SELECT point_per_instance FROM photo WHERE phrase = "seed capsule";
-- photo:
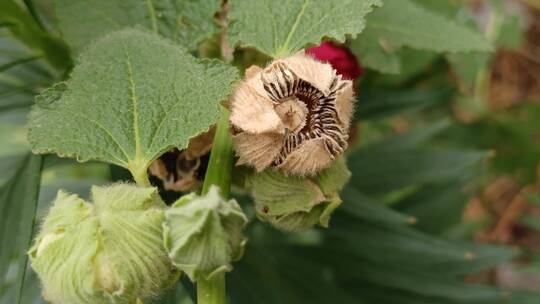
(293, 115)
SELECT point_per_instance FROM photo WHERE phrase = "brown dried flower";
(183, 170)
(294, 115)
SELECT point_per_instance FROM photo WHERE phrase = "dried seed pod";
(183, 170)
(293, 115)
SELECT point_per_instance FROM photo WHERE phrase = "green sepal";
(204, 234)
(295, 203)
(110, 251)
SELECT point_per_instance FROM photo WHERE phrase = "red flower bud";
(339, 57)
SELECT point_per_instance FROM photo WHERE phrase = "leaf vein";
(294, 27)
(134, 102)
(107, 132)
(152, 14)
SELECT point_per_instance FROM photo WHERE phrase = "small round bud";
(293, 115)
(295, 203)
(110, 251)
(204, 234)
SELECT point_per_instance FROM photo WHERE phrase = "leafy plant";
(118, 84)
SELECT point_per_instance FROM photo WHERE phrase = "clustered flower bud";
(204, 234)
(295, 203)
(110, 251)
(293, 115)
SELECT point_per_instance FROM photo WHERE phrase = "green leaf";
(23, 73)
(281, 28)
(380, 171)
(402, 23)
(187, 22)
(13, 137)
(467, 66)
(18, 204)
(196, 22)
(364, 208)
(276, 194)
(531, 221)
(297, 203)
(398, 162)
(381, 103)
(534, 199)
(132, 97)
(437, 207)
(24, 28)
(415, 65)
(511, 32)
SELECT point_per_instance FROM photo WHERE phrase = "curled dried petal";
(294, 115)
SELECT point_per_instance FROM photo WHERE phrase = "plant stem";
(220, 163)
(142, 180)
(139, 171)
(483, 76)
(211, 291)
(218, 174)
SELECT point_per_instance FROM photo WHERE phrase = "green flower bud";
(110, 251)
(203, 234)
(295, 203)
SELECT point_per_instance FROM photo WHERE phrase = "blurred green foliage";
(399, 236)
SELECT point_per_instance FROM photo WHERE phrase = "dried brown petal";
(182, 170)
(294, 115)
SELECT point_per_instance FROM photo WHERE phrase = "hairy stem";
(139, 171)
(218, 174)
(220, 163)
(212, 291)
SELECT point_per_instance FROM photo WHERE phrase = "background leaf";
(24, 27)
(18, 203)
(402, 23)
(399, 162)
(132, 97)
(187, 22)
(281, 28)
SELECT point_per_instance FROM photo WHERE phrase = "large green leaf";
(132, 96)
(18, 204)
(403, 23)
(280, 28)
(186, 21)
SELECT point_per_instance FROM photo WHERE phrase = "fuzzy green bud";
(204, 234)
(110, 251)
(295, 203)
